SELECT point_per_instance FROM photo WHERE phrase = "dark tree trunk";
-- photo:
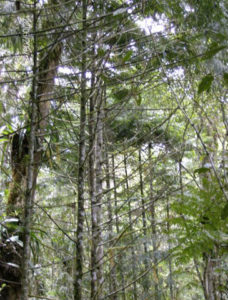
(26, 159)
(81, 168)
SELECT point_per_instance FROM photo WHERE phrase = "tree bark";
(112, 264)
(120, 259)
(146, 283)
(97, 250)
(154, 231)
(210, 257)
(170, 283)
(209, 277)
(135, 297)
(26, 159)
(81, 167)
(30, 176)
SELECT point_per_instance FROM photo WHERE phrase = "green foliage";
(213, 50)
(199, 223)
(205, 83)
(121, 94)
(225, 78)
(201, 170)
(149, 85)
(224, 213)
(127, 56)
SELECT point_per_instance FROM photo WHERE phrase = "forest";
(113, 150)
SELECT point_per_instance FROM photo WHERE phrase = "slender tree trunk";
(135, 297)
(30, 176)
(92, 182)
(208, 277)
(112, 266)
(120, 259)
(81, 166)
(171, 287)
(146, 284)
(97, 250)
(112, 262)
(92, 178)
(154, 231)
(93, 203)
(210, 257)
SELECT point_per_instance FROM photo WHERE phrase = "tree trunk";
(135, 297)
(170, 282)
(97, 250)
(26, 159)
(120, 259)
(154, 232)
(208, 277)
(112, 264)
(30, 174)
(81, 167)
(146, 284)
(210, 257)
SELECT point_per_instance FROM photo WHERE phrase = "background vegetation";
(113, 139)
